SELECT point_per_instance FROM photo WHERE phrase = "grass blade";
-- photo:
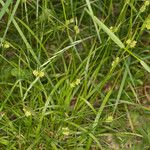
(146, 67)
(111, 34)
(4, 9)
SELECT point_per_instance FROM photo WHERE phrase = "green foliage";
(74, 74)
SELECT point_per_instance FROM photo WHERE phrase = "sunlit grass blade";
(92, 15)
(4, 8)
(29, 48)
(33, 34)
(107, 30)
(146, 67)
(11, 17)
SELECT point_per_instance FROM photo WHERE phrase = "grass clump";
(74, 74)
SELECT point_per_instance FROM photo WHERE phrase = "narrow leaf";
(146, 67)
(111, 34)
(4, 9)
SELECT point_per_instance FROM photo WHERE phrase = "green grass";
(74, 75)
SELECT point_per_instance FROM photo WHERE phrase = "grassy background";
(95, 92)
